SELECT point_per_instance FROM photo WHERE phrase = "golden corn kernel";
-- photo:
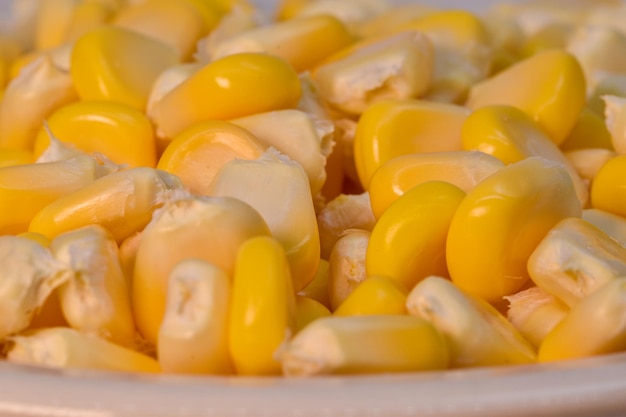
(347, 211)
(53, 19)
(26, 189)
(118, 65)
(478, 335)
(511, 135)
(308, 310)
(210, 229)
(615, 119)
(503, 219)
(30, 274)
(611, 224)
(395, 177)
(89, 15)
(120, 132)
(263, 306)
(302, 42)
(590, 131)
(317, 289)
(374, 296)
(574, 259)
(391, 19)
(394, 128)
(334, 345)
(29, 99)
(221, 90)
(65, 348)
(96, 299)
(595, 326)
(588, 162)
(393, 67)
(304, 138)
(408, 243)
(169, 79)
(548, 86)
(607, 190)
(185, 26)
(287, 9)
(548, 37)
(278, 189)
(237, 20)
(346, 265)
(128, 255)
(193, 337)
(11, 157)
(198, 153)
(37, 237)
(534, 313)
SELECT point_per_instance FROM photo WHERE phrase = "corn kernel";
(193, 337)
(53, 20)
(588, 162)
(607, 190)
(598, 49)
(615, 119)
(590, 131)
(391, 19)
(346, 266)
(503, 219)
(408, 243)
(128, 255)
(394, 128)
(375, 295)
(12, 157)
(317, 289)
(263, 306)
(308, 310)
(350, 12)
(89, 15)
(611, 224)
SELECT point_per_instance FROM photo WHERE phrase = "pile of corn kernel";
(193, 186)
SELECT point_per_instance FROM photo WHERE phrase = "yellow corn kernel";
(588, 162)
(317, 289)
(193, 337)
(408, 243)
(595, 326)
(53, 19)
(395, 177)
(89, 15)
(590, 131)
(96, 298)
(278, 189)
(534, 313)
(118, 65)
(287, 9)
(615, 119)
(598, 49)
(611, 224)
(65, 348)
(120, 132)
(574, 259)
(346, 266)
(394, 128)
(37, 237)
(308, 310)
(12, 157)
(30, 274)
(263, 306)
(350, 12)
(548, 37)
(503, 219)
(29, 99)
(304, 138)
(335, 345)
(374, 296)
(26, 189)
(548, 86)
(221, 90)
(128, 255)
(198, 153)
(210, 229)
(122, 203)
(236, 21)
(390, 20)
(185, 26)
(607, 190)
(210, 12)
(603, 84)
(478, 335)
(511, 135)
(347, 211)
(397, 66)
(302, 42)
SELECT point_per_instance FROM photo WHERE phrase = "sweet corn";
(207, 228)
(391, 19)
(611, 224)
(590, 131)
(308, 310)
(478, 335)
(65, 348)
(122, 133)
(607, 190)
(351, 12)
(615, 118)
(13, 157)
(128, 256)
(605, 83)
(395, 177)
(96, 298)
(588, 162)
(263, 306)
(317, 289)
(549, 86)
(376, 295)
(408, 242)
(122, 202)
(598, 49)
(30, 274)
(596, 325)
(53, 20)
(193, 337)
(503, 219)
(89, 15)
(346, 266)
(393, 67)
(394, 128)
(197, 154)
(221, 90)
(334, 345)
(118, 65)
(278, 189)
